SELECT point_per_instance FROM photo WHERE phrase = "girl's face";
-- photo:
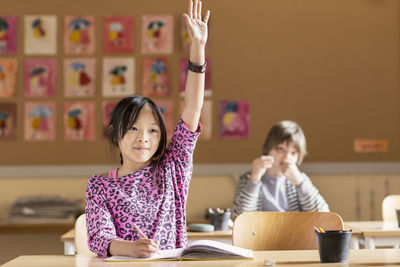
(283, 153)
(141, 141)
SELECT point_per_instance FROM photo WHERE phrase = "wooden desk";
(223, 236)
(34, 228)
(376, 233)
(362, 257)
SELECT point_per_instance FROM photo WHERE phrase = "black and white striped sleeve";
(310, 198)
(247, 196)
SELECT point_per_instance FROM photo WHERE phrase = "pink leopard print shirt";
(153, 198)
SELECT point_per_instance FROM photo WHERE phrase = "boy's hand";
(292, 173)
(260, 166)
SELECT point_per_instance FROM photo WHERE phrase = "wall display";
(234, 119)
(107, 108)
(40, 35)
(155, 77)
(79, 35)
(118, 77)
(8, 34)
(79, 121)
(40, 121)
(8, 121)
(40, 77)
(167, 110)
(118, 34)
(183, 75)
(8, 73)
(157, 34)
(370, 145)
(79, 77)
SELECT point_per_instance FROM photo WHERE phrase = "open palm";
(197, 28)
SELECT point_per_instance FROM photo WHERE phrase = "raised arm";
(194, 90)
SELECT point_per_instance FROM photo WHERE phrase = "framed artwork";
(118, 34)
(183, 77)
(40, 121)
(79, 77)
(79, 121)
(40, 34)
(79, 35)
(40, 78)
(157, 34)
(8, 34)
(118, 77)
(234, 119)
(205, 119)
(8, 121)
(155, 77)
(8, 73)
(167, 110)
(108, 107)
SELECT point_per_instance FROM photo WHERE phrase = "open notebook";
(197, 250)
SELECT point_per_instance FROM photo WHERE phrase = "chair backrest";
(389, 206)
(265, 230)
(81, 240)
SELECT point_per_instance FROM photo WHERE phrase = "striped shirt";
(250, 196)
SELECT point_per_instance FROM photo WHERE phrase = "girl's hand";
(292, 173)
(196, 27)
(144, 248)
(260, 166)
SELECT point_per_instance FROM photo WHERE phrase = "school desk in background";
(44, 209)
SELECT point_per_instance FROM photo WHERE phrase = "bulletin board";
(332, 66)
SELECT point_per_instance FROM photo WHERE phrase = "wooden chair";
(81, 240)
(389, 206)
(282, 230)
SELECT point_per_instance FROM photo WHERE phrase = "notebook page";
(162, 254)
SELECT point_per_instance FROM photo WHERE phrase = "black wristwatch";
(197, 68)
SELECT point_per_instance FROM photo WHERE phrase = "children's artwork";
(40, 35)
(40, 77)
(118, 34)
(79, 121)
(157, 34)
(167, 110)
(8, 34)
(185, 37)
(234, 119)
(8, 72)
(183, 77)
(370, 145)
(118, 77)
(40, 121)
(108, 107)
(79, 77)
(205, 119)
(8, 121)
(155, 77)
(79, 35)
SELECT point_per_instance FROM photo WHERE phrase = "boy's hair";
(286, 132)
(125, 115)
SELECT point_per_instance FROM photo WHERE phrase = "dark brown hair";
(125, 115)
(286, 132)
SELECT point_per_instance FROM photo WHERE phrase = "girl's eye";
(153, 131)
(133, 128)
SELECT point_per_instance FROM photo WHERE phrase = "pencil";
(140, 231)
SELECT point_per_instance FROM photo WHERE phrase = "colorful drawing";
(157, 34)
(205, 119)
(79, 77)
(79, 35)
(40, 35)
(8, 34)
(155, 77)
(108, 107)
(40, 121)
(183, 76)
(118, 34)
(8, 121)
(79, 121)
(118, 77)
(185, 38)
(8, 72)
(167, 110)
(40, 77)
(234, 119)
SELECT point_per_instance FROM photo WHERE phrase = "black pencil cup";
(398, 216)
(334, 246)
(220, 220)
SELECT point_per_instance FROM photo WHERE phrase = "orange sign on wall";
(370, 145)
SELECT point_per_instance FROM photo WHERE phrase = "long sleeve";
(247, 196)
